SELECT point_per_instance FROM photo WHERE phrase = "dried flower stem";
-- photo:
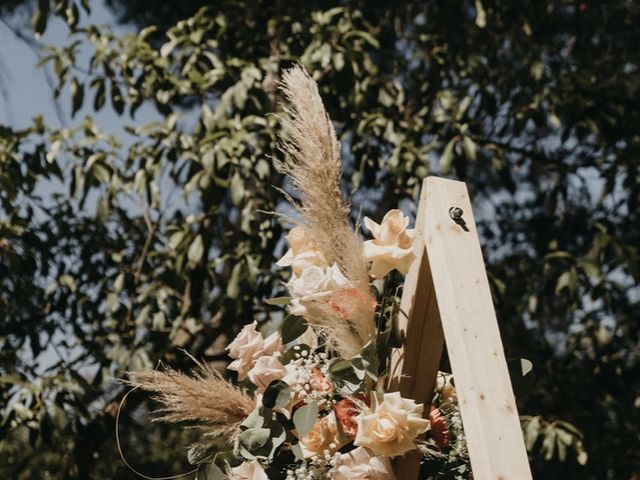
(312, 162)
(215, 406)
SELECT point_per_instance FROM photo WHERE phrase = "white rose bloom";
(315, 283)
(359, 464)
(248, 346)
(391, 425)
(392, 244)
(248, 471)
(303, 251)
(265, 370)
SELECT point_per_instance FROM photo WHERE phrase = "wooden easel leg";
(447, 292)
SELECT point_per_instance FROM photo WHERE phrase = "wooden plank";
(414, 368)
(487, 405)
(447, 292)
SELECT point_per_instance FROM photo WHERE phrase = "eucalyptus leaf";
(278, 301)
(305, 418)
(251, 440)
(276, 395)
(292, 328)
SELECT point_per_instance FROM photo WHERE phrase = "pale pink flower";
(248, 471)
(265, 370)
(359, 464)
(248, 346)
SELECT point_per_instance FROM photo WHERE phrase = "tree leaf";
(40, 17)
(469, 147)
(447, 156)
(77, 95)
(196, 249)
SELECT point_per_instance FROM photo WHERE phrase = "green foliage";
(292, 327)
(261, 434)
(117, 251)
(277, 395)
(305, 418)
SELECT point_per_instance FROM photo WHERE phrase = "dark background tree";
(117, 250)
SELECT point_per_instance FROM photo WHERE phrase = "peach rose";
(359, 464)
(247, 471)
(392, 244)
(248, 346)
(303, 251)
(323, 437)
(391, 425)
(266, 370)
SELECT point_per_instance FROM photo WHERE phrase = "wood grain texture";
(414, 368)
(456, 300)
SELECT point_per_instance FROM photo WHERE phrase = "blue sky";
(24, 91)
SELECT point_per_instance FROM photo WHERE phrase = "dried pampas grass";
(312, 162)
(213, 405)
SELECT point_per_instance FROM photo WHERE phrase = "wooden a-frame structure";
(447, 298)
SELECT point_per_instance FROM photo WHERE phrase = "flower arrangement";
(310, 400)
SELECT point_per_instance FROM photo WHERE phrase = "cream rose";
(265, 370)
(391, 425)
(323, 437)
(248, 471)
(248, 346)
(359, 464)
(392, 244)
(303, 251)
(314, 283)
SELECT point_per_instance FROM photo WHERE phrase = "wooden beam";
(447, 291)
(414, 368)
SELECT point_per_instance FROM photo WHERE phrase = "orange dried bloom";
(320, 382)
(346, 409)
(348, 302)
(439, 429)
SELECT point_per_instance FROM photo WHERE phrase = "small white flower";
(248, 346)
(392, 244)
